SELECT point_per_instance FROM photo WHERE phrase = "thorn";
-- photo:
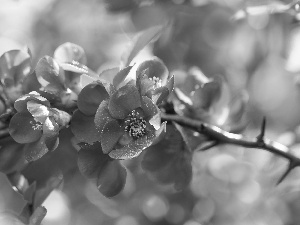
(260, 137)
(207, 145)
(289, 169)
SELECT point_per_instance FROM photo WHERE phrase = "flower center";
(135, 125)
(36, 126)
(157, 82)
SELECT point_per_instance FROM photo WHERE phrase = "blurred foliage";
(257, 55)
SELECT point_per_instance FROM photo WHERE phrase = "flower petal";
(111, 133)
(22, 128)
(83, 127)
(102, 116)
(159, 94)
(35, 150)
(136, 147)
(48, 71)
(39, 112)
(50, 127)
(152, 112)
(91, 159)
(123, 101)
(68, 52)
(111, 179)
(21, 103)
(90, 97)
(155, 68)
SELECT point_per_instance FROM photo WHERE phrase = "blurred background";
(257, 53)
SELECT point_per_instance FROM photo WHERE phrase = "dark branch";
(221, 136)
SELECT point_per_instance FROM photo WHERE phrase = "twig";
(225, 137)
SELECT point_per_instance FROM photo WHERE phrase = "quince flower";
(37, 124)
(154, 81)
(128, 123)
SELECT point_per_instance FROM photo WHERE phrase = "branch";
(225, 137)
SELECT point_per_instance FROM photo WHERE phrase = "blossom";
(153, 80)
(38, 124)
(128, 123)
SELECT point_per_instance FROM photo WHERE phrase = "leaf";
(83, 127)
(109, 74)
(69, 52)
(141, 41)
(169, 161)
(120, 76)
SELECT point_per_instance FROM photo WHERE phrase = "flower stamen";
(135, 125)
(157, 82)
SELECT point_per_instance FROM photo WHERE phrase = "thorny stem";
(224, 137)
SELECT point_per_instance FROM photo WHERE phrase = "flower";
(37, 123)
(209, 100)
(153, 80)
(128, 123)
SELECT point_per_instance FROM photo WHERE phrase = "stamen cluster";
(135, 125)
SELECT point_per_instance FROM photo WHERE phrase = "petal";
(90, 98)
(123, 101)
(91, 159)
(51, 142)
(39, 112)
(136, 147)
(22, 128)
(159, 94)
(110, 135)
(111, 179)
(102, 116)
(83, 127)
(155, 68)
(143, 83)
(152, 112)
(35, 150)
(48, 71)
(21, 103)
(68, 52)
(50, 127)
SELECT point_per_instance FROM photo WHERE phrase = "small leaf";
(111, 179)
(68, 52)
(120, 76)
(29, 193)
(109, 74)
(141, 41)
